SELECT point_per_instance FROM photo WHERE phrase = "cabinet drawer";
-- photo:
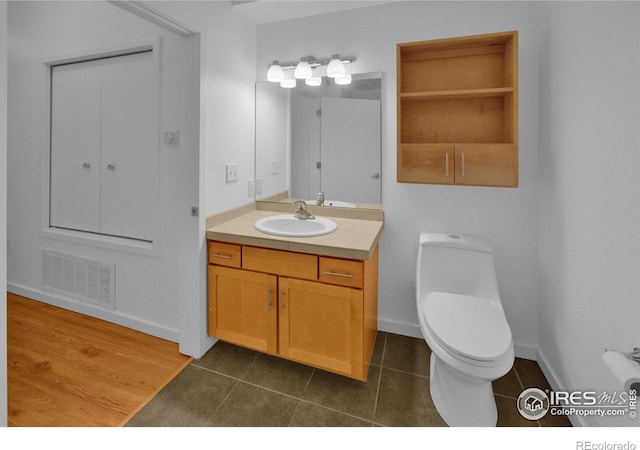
(343, 272)
(296, 265)
(224, 254)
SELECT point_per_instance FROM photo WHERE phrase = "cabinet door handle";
(281, 301)
(462, 168)
(268, 299)
(336, 274)
(111, 167)
(86, 165)
(219, 255)
(446, 164)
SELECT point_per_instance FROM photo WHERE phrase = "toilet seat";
(469, 328)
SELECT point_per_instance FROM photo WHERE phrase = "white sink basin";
(287, 225)
(337, 203)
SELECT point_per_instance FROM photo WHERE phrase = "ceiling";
(266, 11)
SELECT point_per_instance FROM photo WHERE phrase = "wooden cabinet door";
(243, 308)
(426, 163)
(486, 165)
(322, 325)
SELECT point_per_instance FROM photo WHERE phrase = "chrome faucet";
(320, 199)
(301, 211)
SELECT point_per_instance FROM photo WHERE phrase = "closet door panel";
(75, 147)
(129, 146)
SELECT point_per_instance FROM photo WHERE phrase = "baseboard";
(552, 378)
(403, 329)
(60, 301)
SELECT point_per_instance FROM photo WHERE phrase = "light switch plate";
(232, 173)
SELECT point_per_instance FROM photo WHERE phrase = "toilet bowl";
(462, 319)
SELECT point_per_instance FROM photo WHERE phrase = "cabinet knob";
(111, 167)
(86, 165)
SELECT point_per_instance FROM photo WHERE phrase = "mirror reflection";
(319, 142)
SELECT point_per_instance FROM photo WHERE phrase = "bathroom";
(569, 289)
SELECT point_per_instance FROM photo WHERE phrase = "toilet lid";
(473, 327)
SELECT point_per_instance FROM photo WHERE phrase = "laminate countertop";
(353, 239)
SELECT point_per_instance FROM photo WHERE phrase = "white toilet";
(463, 322)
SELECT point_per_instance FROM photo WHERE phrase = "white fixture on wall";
(306, 69)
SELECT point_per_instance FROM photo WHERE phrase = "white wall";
(226, 123)
(589, 192)
(147, 286)
(3, 213)
(506, 217)
(228, 81)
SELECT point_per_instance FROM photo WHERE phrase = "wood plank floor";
(68, 369)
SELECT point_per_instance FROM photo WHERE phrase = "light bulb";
(288, 83)
(275, 73)
(313, 81)
(335, 67)
(343, 79)
(303, 70)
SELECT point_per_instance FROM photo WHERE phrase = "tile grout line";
(238, 381)
(375, 404)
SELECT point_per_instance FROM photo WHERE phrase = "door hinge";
(195, 211)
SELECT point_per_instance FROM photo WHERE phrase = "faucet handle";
(301, 210)
(320, 199)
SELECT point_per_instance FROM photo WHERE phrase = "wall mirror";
(326, 138)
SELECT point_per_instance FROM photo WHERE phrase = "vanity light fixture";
(313, 81)
(286, 73)
(343, 79)
(288, 83)
(303, 69)
(275, 72)
(336, 67)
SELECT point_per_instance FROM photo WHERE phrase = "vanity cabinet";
(457, 116)
(313, 309)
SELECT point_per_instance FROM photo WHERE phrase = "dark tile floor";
(232, 386)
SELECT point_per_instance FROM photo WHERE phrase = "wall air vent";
(83, 279)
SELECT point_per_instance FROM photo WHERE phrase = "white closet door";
(129, 146)
(75, 147)
(350, 153)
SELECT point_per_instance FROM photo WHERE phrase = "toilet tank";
(459, 264)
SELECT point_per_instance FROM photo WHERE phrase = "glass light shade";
(275, 73)
(303, 70)
(343, 79)
(313, 81)
(335, 67)
(288, 83)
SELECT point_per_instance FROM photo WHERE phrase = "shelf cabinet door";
(486, 165)
(242, 308)
(322, 325)
(426, 163)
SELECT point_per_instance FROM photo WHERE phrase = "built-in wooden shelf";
(458, 110)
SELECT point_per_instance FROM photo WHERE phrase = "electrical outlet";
(252, 188)
(232, 173)
(275, 167)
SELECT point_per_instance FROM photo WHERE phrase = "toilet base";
(462, 401)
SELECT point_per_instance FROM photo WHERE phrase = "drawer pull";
(219, 255)
(336, 274)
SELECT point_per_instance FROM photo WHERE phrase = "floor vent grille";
(84, 279)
